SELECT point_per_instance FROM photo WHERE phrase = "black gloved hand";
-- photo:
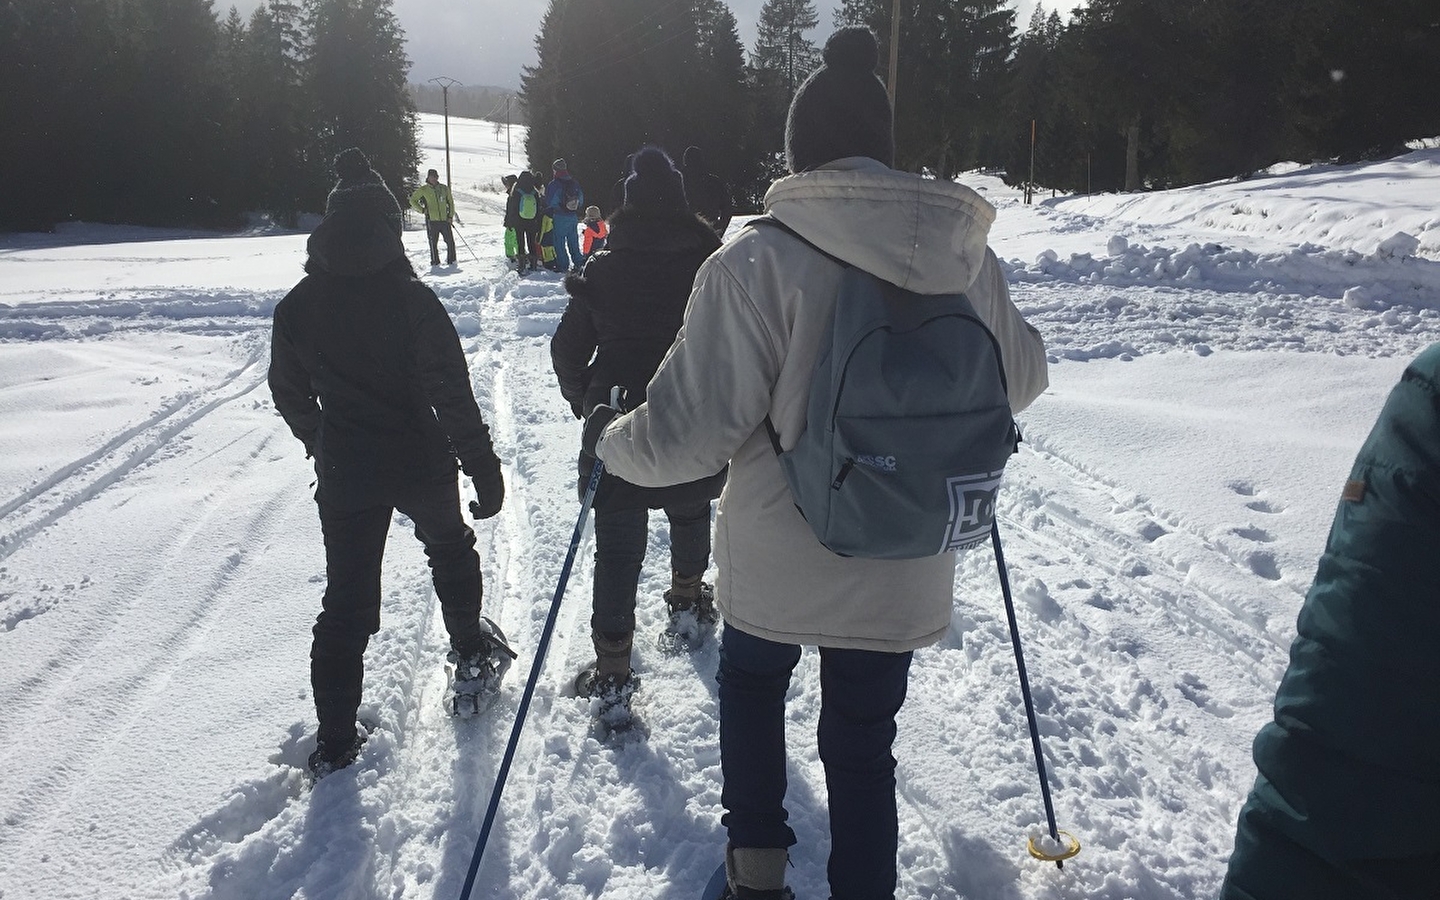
(489, 491)
(600, 416)
(577, 410)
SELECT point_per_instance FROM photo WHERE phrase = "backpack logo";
(527, 205)
(921, 376)
(972, 510)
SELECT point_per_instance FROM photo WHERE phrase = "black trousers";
(437, 230)
(354, 548)
(621, 536)
(528, 244)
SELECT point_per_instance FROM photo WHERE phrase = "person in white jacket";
(755, 322)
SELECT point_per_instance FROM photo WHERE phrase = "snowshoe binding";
(692, 621)
(474, 678)
(610, 703)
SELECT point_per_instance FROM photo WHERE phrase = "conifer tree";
(611, 78)
(780, 42)
(355, 69)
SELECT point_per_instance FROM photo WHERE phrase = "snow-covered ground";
(1218, 355)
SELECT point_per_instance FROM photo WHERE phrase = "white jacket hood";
(920, 234)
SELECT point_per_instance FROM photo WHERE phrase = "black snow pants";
(354, 547)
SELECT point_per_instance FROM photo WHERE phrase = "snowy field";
(1218, 355)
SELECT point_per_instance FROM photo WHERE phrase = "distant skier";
(709, 197)
(622, 317)
(754, 327)
(367, 370)
(434, 200)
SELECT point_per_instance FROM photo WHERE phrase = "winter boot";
(476, 672)
(609, 681)
(334, 751)
(756, 873)
(691, 604)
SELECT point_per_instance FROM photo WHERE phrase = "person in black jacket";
(366, 369)
(525, 198)
(624, 312)
(709, 196)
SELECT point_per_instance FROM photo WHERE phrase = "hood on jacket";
(354, 243)
(921, 234)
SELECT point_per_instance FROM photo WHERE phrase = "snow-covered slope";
(160, 565)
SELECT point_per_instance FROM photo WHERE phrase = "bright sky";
(485, 42)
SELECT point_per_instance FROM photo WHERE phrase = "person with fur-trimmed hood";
(367, 370)
(624, 312)
(757, 319)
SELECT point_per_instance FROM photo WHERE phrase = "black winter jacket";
(624, 312)
(368, 372)
(524, 184)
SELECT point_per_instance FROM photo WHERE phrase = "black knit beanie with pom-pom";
(655, 184)
(361, 189)
(842, 109)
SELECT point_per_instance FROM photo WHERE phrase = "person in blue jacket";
(565, 203)
(1349, 770)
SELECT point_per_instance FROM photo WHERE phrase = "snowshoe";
(692, 620)
(610, 703)
(474, 679)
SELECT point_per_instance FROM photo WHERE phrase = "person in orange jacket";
(593, 235)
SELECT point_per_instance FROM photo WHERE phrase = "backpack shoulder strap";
(772, 222)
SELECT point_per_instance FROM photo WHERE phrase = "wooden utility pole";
(445, 83)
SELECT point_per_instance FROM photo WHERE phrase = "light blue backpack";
(908, 428)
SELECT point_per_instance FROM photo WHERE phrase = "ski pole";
(465, 242)
(510, 748)
(1073, 845)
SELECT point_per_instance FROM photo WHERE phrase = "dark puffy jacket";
(624, 312)
(368, 372)
(1350, 767)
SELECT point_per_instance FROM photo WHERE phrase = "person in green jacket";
(1349, 770)
(433, 199)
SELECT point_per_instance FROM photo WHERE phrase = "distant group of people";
(712, 346)
(545, 228)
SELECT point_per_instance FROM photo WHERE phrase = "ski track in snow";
(1113, 652)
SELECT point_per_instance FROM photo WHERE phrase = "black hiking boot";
(334, 752)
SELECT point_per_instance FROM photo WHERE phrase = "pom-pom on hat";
(656, 185)
(842, 109)
(361, 190)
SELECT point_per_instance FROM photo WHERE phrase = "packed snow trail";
(161, 565)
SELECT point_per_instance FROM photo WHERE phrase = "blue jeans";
(566, 235)
(861, 691)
